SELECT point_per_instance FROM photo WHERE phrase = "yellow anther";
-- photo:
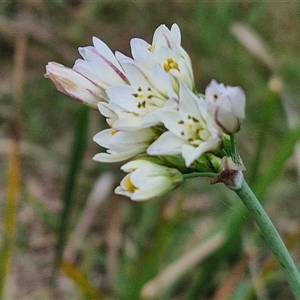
(170, 64)
(113, 132)
(130, 186)
(151, 48)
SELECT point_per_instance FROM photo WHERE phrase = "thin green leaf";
(78, 148)
(269, 108)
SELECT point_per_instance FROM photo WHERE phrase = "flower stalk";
(271, 235)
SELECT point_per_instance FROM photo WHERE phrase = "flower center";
(147, 101)
(113, 132)
(130, 186)
(193, 131)
(170, 64)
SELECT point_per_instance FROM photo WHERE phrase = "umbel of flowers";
(157, 121)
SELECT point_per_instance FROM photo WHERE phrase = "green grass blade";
(269, 107)
(78, 148)
(284, 152)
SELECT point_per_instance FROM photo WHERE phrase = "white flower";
(100, 68)
(152, 109)
(167, 51)
(90, 76)
(147, 180)
(188, 133)
(134, 105)
(123, 145)
(226, 105)
(100, 65)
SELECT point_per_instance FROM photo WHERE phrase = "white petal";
(227, 121)
(128, 121)
(87, 70)
(124, 141)
(186, 74)
(115, 157)
(140, 52)
(238, 99)
(135, 164)
(150, 120)
(213, 90)
(171, 120)
(106, 54)
(158, 36)
(121, 191)
(162, 54)
(120, 56)
(106, 111)
(166, 144)
(189, 102)
(153, 188)
(105, 68)
(175, 33)
(123, 96)
(103, 137)
(190, 153)
(139, 76)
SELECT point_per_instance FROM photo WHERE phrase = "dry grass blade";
(154, 287)
(114, 238)
(290, 102)
(14, 163)
(253, 43)
(81, 282)
(24, 24)
(102, 188)
(228, 286)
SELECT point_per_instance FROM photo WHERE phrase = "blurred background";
(65, 235)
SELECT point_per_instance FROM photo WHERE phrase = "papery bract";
(230, 173)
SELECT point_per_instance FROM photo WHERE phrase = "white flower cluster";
(152, 109)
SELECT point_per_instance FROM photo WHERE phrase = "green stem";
(233, 149)
(272, 237)
(199, 174)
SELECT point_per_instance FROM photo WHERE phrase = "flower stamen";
(130, 186)
(170, 64)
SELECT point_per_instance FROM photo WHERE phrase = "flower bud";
(226, 105)
(147, 180)
(74, 84)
